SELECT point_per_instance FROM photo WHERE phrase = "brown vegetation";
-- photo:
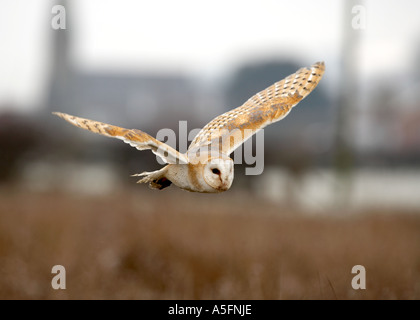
(178, 245)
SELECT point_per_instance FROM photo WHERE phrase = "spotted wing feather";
(135, 138)
(234, 127)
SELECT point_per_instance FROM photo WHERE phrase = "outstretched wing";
(229, 130)
(135, 138)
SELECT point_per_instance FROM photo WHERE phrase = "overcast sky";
(201, 38)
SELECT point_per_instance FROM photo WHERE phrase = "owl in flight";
(206, 166)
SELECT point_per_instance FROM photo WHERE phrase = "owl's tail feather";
(155, 179)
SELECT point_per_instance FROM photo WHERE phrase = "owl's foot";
(155, 179)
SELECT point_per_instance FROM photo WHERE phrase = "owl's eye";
(215, 171)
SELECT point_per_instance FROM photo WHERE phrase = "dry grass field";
(144, 244)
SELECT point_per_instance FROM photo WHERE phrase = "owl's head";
(218, 174)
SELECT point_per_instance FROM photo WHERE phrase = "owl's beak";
(225, 185)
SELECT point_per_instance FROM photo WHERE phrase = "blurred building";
(391, 134)
(122, 98)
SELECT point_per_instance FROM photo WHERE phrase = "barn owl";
(206, 166)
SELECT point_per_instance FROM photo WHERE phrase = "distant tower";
(61, 73)
(346, 103)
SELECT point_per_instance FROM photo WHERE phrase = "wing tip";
(60, 115)
(319, 65)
